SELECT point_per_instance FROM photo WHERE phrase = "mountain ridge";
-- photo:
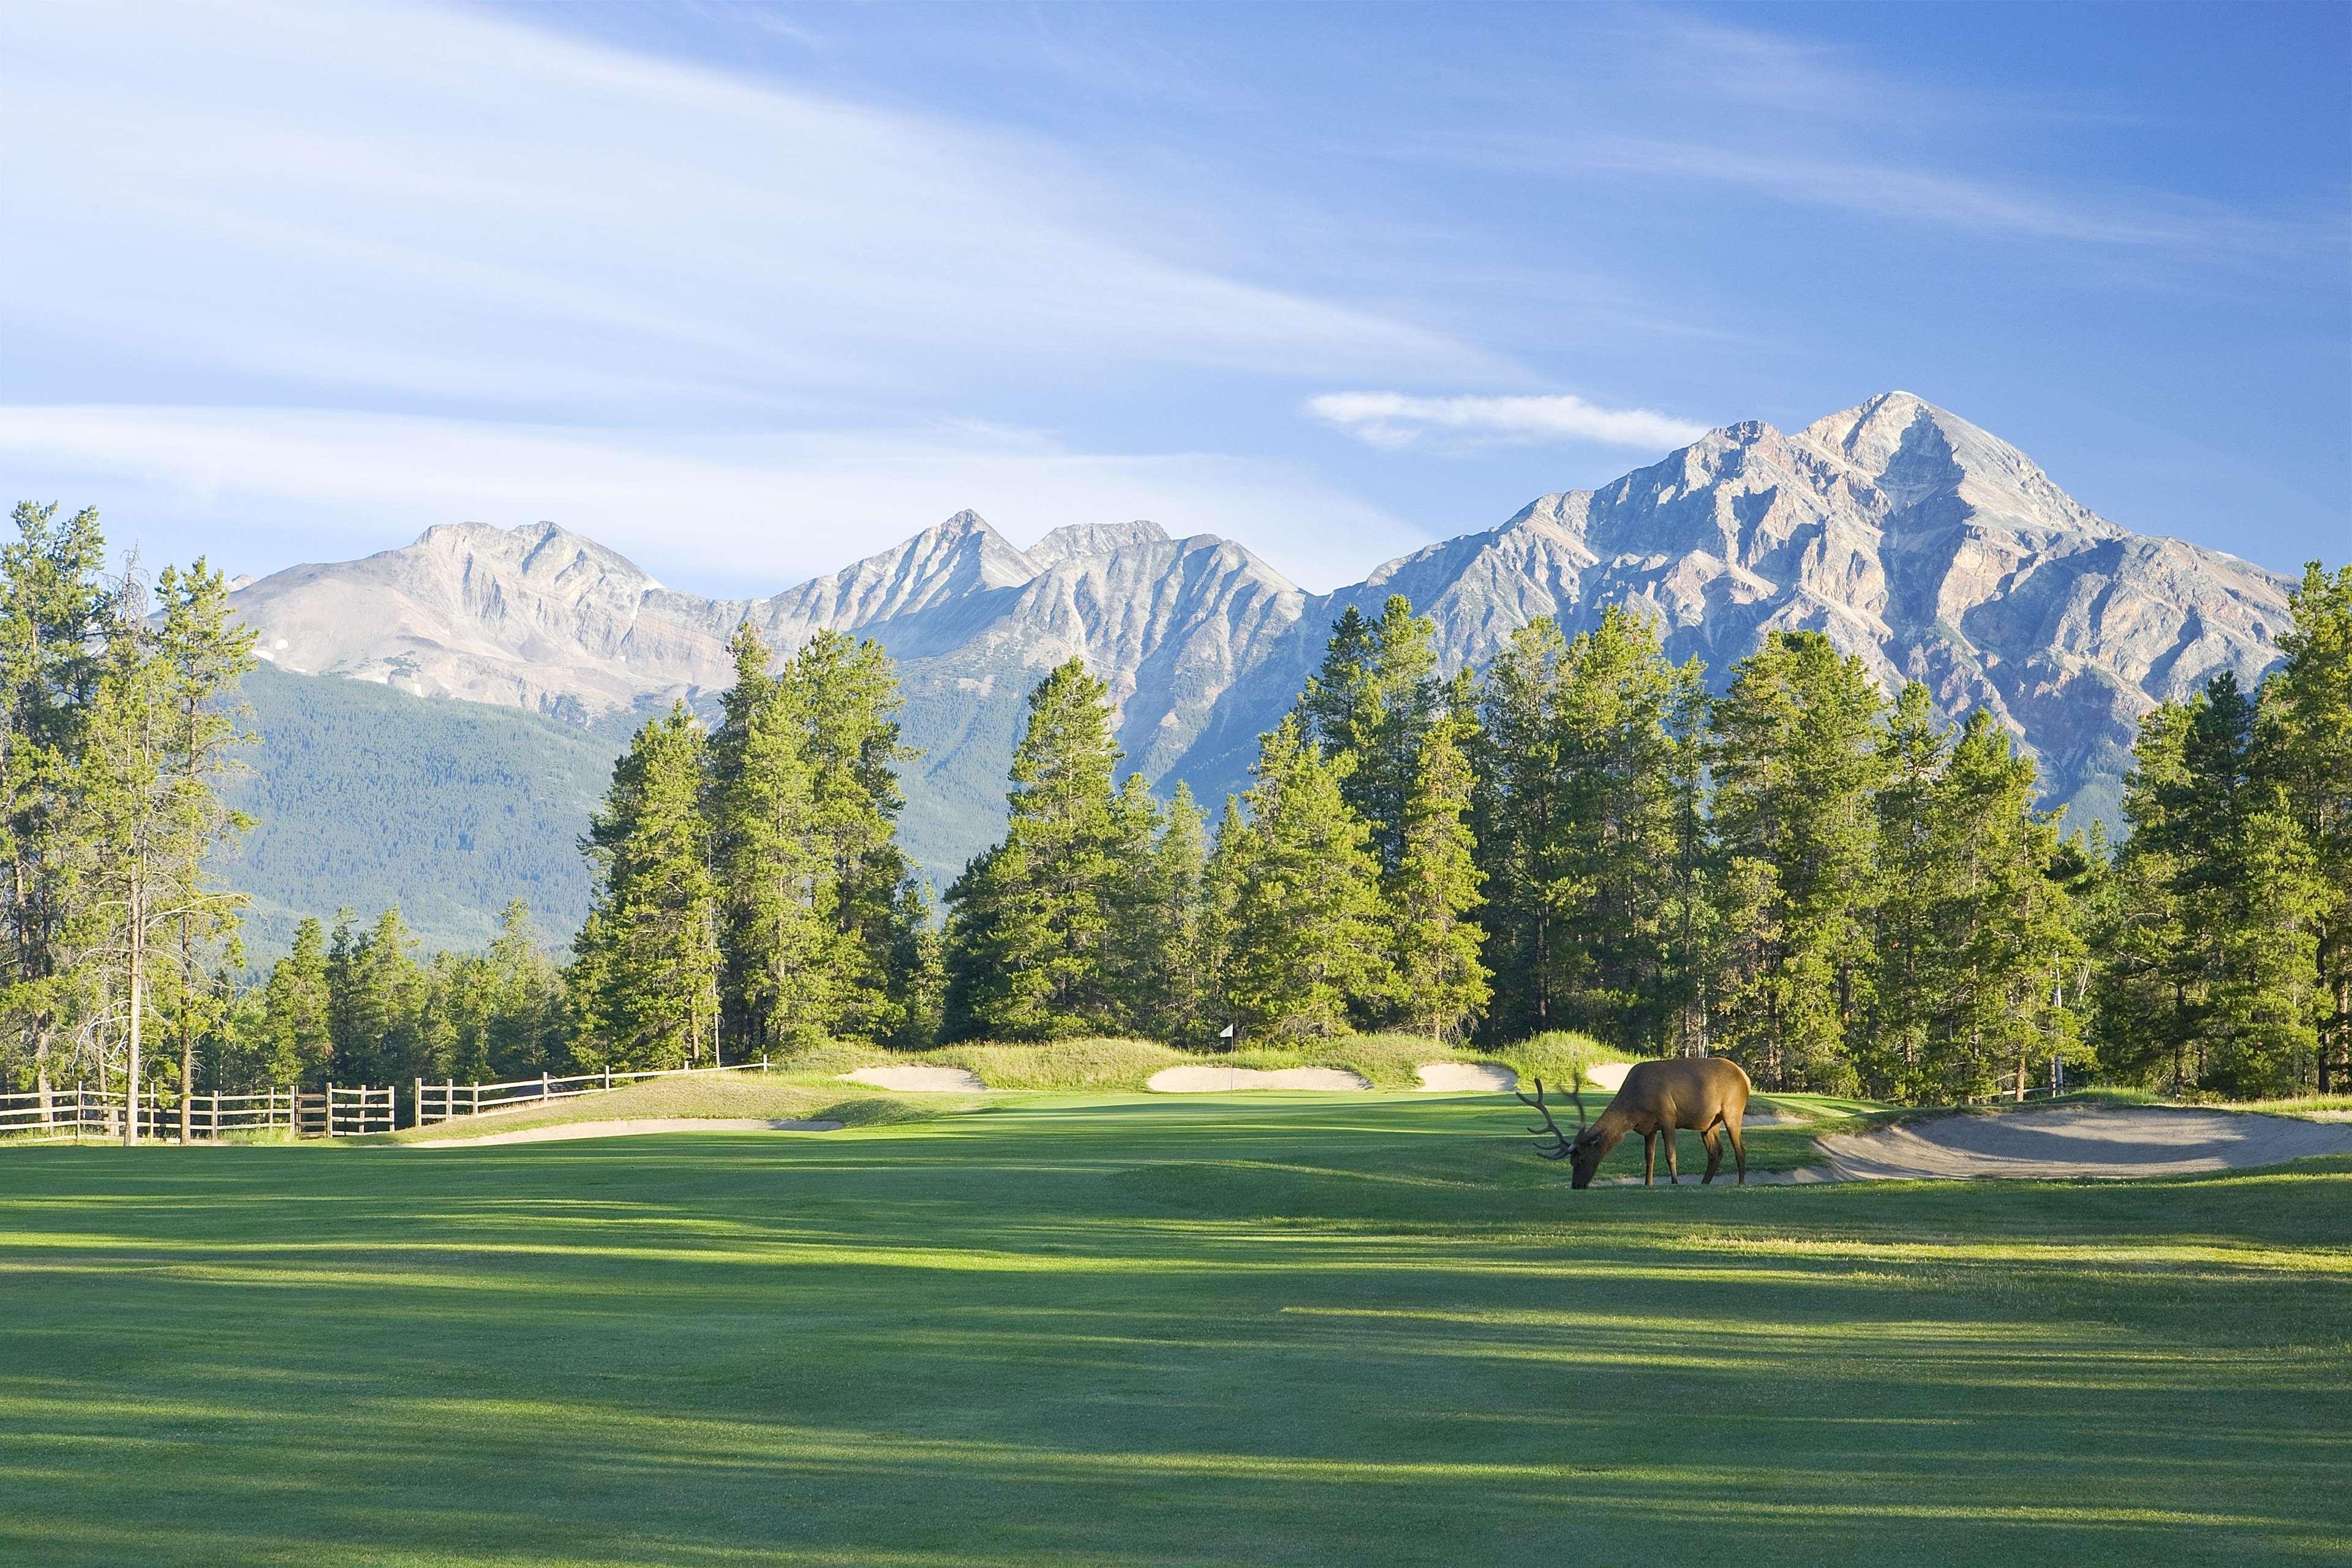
(1913, 538)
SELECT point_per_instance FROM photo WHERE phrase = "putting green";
(1263, 1328)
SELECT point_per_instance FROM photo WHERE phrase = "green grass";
(1132, 1331)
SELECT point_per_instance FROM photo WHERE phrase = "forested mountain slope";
(365, 797)
(1911, 537)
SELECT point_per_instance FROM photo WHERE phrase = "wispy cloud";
(1397, 419)
(374, 201)
(729, 513)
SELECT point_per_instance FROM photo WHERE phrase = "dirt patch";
(917, 1080)
(565, 1132)
(1224, 1081)
(1467, 1077)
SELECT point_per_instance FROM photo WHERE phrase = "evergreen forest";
(1798, 871)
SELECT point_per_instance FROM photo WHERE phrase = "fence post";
(608, 1075)
(417, 1112)
(545, 1087)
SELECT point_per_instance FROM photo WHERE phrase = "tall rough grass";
(1389, 1062)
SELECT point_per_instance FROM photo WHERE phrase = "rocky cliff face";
(1915, 540)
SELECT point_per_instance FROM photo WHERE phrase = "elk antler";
(1559, 1150)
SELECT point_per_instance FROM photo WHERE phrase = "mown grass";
(1139, 1330)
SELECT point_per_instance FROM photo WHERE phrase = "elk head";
(1582, 1153)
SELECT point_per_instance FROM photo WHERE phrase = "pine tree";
(53, 610)
(777, 876)
(1434, 898)
(646, 980)
(2251, 902)
(1374, 699)
(201, 653)
(1914, 859)
(1592, 832)
(524, 1019)
(1797, 767)
(384, 993)
(2145, 1015)
(2010, 934)
(919, 977)
(1028, 938)
(1177, 983)
(847, 694)
(1619, 704)
(2304, 738)
(1134, 951)
(289, 1041)
(1517, 817)
(1309, 943)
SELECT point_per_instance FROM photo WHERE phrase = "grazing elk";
(1701, 1094)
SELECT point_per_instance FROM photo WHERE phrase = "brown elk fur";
(1706, 1095)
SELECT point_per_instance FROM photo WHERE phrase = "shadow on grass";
(1172, 1332)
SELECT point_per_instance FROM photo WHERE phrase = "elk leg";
(1649, 1157)
(1738, 1148)
(1714, 1154)
(1674, 1171)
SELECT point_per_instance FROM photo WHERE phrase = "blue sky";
(748, 290)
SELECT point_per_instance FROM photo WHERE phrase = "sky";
(748, 290)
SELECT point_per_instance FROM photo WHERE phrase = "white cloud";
(737, 514)
(1398, 419)
(366, 202)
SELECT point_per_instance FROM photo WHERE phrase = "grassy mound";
(1120, 1065)
(717, 1096)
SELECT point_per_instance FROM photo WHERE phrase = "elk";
(1701, 1094)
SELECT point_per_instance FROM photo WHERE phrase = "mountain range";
(1914, 538)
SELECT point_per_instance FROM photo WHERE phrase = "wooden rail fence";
(66, 1115)
(442, 1102)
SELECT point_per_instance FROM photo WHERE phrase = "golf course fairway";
(1368, 1329)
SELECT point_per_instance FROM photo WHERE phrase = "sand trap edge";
(1228, 1081)
(1467, 1077)
(917, 1079)
(565, 1132)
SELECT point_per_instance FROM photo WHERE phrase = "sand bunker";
(1221, 1080)
(1610, 1075)
(917, 1080)
(565, 1132)
(2112, 1141)
(1467, 1077)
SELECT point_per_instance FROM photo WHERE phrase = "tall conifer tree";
(1797, 767)
(2304, 748)
(1028, 941)
(646, 974)
(53, 611)
(1309, 943)
(1442, 981)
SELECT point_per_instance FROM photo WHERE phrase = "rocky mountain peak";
(1092, 541)
(544, 551)
(1916, 540)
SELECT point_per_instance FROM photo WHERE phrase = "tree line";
(1801, 872)
(114, 732)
